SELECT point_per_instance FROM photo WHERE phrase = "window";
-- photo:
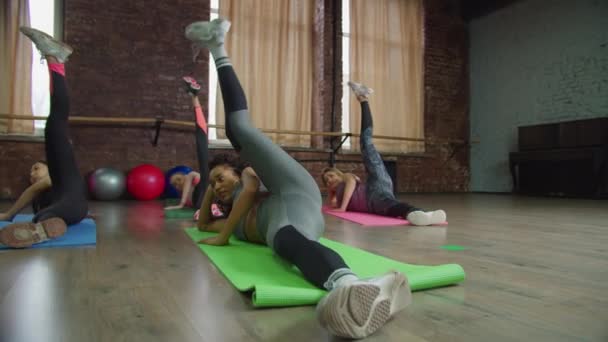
(271, 47)
(41, 20)
(383, 48)
(215, 10)
(346, 70)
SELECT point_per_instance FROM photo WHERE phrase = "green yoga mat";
(183, 213)
(274, 282)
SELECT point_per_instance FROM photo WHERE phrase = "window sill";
(389, 155)
(221, 145)
(37, 137)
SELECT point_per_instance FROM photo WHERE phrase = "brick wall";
(446, 85)
(129, 56)
(128, 61)
(445, 167)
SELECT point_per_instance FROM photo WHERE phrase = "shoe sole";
(438, 217)
(360, 311)
(36, 36)
(192, 84)
(360, 89)
(209, 35)
(25, 234)
(420, 219)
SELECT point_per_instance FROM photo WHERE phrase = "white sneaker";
(360, 308)
(47, 45)
(426, 218)
(206, 34)
(361, 91)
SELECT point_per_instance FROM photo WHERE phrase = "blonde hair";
(331, 169)
(176, 174)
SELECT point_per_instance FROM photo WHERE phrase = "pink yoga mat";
(366, 219)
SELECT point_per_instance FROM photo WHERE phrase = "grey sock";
(340, 277)
(220, 56)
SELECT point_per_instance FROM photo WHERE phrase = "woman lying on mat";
(348, 193)
(64, 203)
(190, 185)
(288, 217)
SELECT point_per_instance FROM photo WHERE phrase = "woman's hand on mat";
(338, 210)
(4, 217)
(173, 207)
(217, 240)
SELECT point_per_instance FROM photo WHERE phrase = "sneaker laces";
(196, 50)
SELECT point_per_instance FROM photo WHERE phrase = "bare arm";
(241, 207)
(349, 188)
(332, 201)
(26, 197)
(204, 214)
(186, 191)
(216, 226)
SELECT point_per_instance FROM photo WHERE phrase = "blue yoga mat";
(81, 234)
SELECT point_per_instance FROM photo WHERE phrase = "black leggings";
(202, 153)
(296, 243)
(315, 261)
(68, 192)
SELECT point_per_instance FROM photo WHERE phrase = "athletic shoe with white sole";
(361, 91)
(47, 45)
(426, 218)
(191, 85)
(25, 234)
(206, 34)
(360, 308)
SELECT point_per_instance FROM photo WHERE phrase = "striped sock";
(220, 56)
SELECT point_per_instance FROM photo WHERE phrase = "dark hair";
(228, 160)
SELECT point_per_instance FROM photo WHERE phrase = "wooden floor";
(537, 270)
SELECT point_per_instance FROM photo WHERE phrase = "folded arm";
(26, 198)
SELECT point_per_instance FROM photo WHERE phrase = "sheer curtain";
(15, 67)
(386, 54)
(270, 45)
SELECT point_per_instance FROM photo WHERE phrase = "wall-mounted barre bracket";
(346, 136)
(334, 150)
(157, 126)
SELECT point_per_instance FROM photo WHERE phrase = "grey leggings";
(379, 186)
(290, 219)
(295, 197)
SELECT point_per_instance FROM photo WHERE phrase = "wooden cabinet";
(562, 159)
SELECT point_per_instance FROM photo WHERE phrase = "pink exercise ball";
(145, 182)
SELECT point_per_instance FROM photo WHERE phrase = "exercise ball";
(170, 190)
(106, 184)
(145, 182)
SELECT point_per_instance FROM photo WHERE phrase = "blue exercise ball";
(107, 184)
(170, 190)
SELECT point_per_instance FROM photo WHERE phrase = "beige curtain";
(270, 45)
(386, 54)
(15, 67)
